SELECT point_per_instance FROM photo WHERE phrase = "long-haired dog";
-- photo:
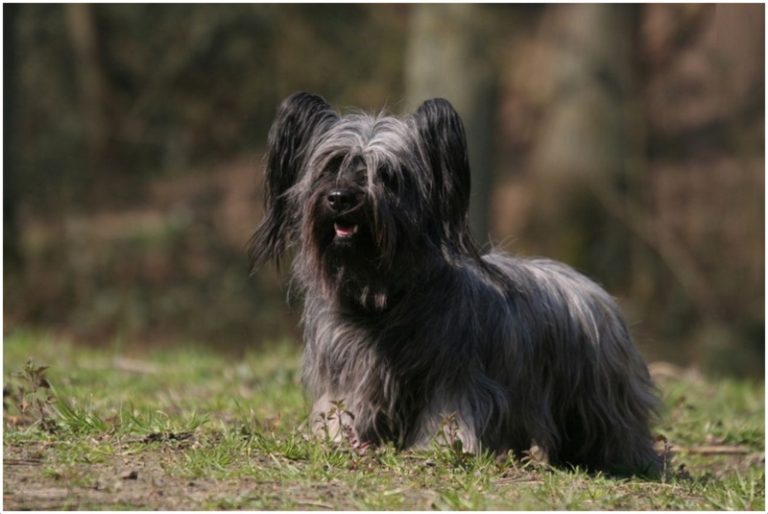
(406, 322)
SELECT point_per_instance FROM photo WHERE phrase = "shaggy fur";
(405, 321)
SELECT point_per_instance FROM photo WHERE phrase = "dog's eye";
(333, 165)
(389, 179)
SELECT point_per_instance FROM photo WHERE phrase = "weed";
(31, 395)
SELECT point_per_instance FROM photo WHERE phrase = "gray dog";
(407, 323)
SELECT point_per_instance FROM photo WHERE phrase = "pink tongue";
(344, 231)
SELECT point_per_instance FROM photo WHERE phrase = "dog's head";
(368, 199)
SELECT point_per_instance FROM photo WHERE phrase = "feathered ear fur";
(444, 145)
(300, 119)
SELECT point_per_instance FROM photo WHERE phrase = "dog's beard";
(343, 255)
(365, 258)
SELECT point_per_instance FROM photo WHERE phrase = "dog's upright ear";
(444, 146)
(300, 119)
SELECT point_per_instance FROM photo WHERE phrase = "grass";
(195, 430)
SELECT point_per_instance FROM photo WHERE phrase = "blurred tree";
(450, 55)
(704, 97)
(585, 140)
(11, 250)
(84, 35)
(605, 151)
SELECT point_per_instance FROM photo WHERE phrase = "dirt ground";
(141, 481)
(136, 481)
(129, 481)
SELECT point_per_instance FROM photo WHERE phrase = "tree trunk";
(449, 56)
(589, 160)
(585, 143)
(84, 37)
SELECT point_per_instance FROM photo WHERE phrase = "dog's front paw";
(358, 446)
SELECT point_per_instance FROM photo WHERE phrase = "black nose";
(341, 199)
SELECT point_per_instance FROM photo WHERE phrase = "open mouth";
(345, 230)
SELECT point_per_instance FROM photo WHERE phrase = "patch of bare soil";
(135, 481)
(142, 481)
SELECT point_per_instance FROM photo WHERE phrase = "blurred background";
(625, 140)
